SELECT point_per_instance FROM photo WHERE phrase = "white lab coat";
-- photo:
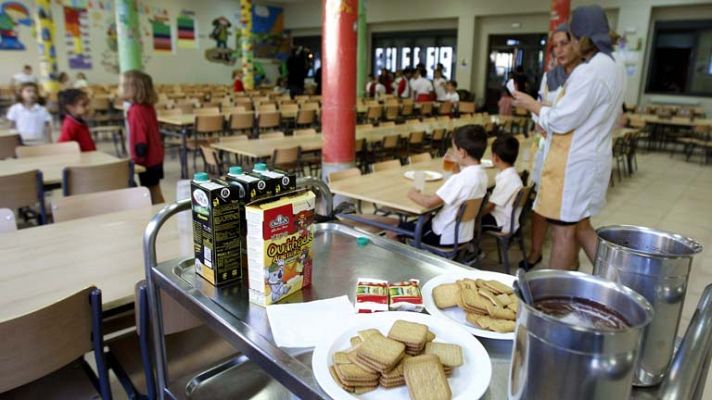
(548, 98)
(577, 166)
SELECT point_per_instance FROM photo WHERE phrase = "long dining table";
(45, 264)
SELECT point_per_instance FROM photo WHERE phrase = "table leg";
(184, 154)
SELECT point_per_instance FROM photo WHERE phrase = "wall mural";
(268, 35)
(220, 33)
(76, 28)
(161, 29)
(12, 15)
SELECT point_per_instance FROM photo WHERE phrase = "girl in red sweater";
(144, 136)
(74, 104)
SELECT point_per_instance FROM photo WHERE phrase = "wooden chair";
(191, 348)
(266, 108)
(271, 135)
(207, 129)
(392, 112)
(24, 191)
(408, 109)
(445, 108)
(306, 118)
(211, 160)
(288, 159)
(91, 204)
(268, 120)
(47, 149)
(426, 108)
(385, 165)
(416, 142)
(229, 110)
(8, 144)
(43, 351)
(305, 132)
(469, 211)
(7, 221)
(419, 158)
(242, 122)
(465, 107)
(97, 178)
(207, 111)
(388, 147)
(504, 239)
(374, 113)
(437, 142)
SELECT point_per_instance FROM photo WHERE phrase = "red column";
(338, 69)
(560, 11)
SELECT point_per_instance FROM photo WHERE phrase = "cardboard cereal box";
(279, 246)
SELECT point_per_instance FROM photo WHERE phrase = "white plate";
(429, 175)
(457, 314)
(469, 381)
(487, 163)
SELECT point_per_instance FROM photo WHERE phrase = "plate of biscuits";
(402, 355)
(482, 302)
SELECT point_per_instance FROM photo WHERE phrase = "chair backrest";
(286, 156)
(97, 178)
(518, 207)
(100, 104)
(392, 112)
(347, 173)
(289, 107)
(268, 119)
(390, 142)
(374, 112)
(305, 132)
(310, 106)
(271, 135)
(243, 120)
(269, 107)
(209, 123)
(445, 108)
(47, 149)
(470, 209)
(207, 111)
(229, 110)
(8, 144)
(91, 204)
(210, 156)
(438, 134)
(38, 343)
(407, 109)
(426, 108)
(418, 158)
(306, 117)
(466, 107)
(385, 165)
(416, 137)
(22, 190)
(7, 220)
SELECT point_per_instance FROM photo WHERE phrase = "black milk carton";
(216, 229)
(279, 182)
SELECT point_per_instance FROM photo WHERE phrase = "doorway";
(506, 53)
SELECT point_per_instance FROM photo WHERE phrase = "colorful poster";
(248, 76)
(12, 15)
(268, 36)
(186, 30)
(76, 28)
(49, 71)
(162, 38)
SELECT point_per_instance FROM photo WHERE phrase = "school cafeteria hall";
(356, 199)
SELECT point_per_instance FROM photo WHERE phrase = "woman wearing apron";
(550, 91)
(577, 166)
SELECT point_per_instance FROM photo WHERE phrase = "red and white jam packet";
(405, 296)
(371, 295)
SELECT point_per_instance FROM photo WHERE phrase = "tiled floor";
(666, 193)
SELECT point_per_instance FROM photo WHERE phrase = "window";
(681, 58)
(398, 50)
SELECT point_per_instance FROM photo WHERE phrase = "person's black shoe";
(526, 265)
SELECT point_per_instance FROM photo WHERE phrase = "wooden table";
(44, 264)
(52, 166)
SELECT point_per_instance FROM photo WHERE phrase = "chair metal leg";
(505, 255)
(98, 344)
(520, 239)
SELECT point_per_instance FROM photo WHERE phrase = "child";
(439, 84)
(281, 87)
(468, 145)
(451, 93)
(498, 211)
(402, 86)
(371, 86)
(81, 81)
(237, 84)
(74, 104)
(144, 137)
(32, 120)
(505, 103)
(421, 87)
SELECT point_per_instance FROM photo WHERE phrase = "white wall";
(180, 66)
(476, 19)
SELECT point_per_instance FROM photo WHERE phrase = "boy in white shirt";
(497, 214)
(25, 76)
(440, 85)
(31, 119)
(421, 87)
(451, 94)
(468, 145)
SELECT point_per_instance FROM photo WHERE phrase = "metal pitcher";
(553, 359)
(655, 264)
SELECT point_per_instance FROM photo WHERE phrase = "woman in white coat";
(577, 166)
(550, 91)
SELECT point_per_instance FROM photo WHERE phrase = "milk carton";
(279, 182)
(279, 246)
(216, 229)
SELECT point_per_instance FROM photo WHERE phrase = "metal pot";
(655, 264)
(554, 359)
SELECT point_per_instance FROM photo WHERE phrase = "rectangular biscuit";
(450, 355)
(446, 295)
(353, 373)
(353, 359)
(430, 337)
(364, 334)
(425, 378)
(410, 333)
(487, 294)
(382, 350)
(498, 287)
(500, 313)
(340, 357)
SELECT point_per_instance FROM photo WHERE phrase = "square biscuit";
(472, 300)
(498, 287)
(341, 357)
(426, 379)
(349, 373)
(450, 355)
(411, 333)
(382, 350)
(446, 295)
(430, 337)
(366, 333)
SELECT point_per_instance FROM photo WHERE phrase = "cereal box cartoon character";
(275, 279)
